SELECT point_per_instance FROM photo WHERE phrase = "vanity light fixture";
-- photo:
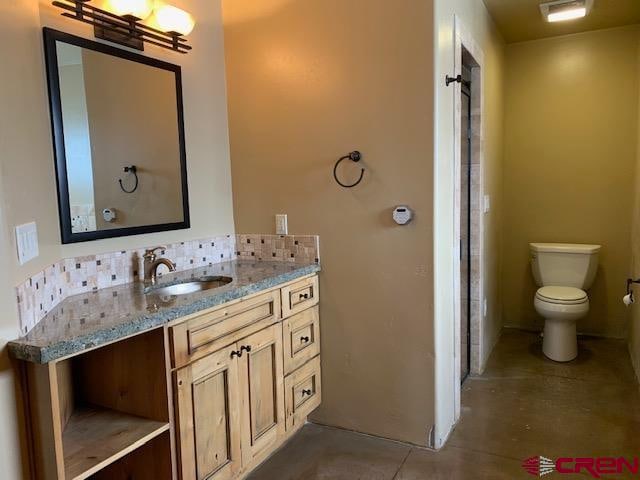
(140, 9)
(124, 23)
(563, 10)
(171, 19)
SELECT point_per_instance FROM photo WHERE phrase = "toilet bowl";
(561, 308)
(564, 272)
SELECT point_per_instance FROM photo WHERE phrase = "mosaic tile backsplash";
(72, 276)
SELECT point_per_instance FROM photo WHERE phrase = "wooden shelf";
(96, 437)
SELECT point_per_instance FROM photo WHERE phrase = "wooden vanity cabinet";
(230, 407)
(207, 397)
(237, 405)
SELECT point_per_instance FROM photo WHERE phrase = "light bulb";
(568, 14)
(136, 8)
(171, 19)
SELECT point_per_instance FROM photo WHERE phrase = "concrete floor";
(523, 406)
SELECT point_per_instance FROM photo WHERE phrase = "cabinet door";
(208, 417)
(261, 372)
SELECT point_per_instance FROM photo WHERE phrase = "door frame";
(447, 164)
(464, 41)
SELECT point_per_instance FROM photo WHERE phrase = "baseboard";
(400, 442)
(635, 361)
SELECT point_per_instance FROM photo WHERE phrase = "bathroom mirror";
(118, 137)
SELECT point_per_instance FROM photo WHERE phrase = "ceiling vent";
(563, 10)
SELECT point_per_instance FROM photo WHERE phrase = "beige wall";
(480, 29)
(27, 183)
(570, 151)
(133, 125)
(309, 81)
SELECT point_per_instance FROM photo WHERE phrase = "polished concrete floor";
(524, 405)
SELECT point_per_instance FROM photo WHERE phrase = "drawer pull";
(304, 339)
(306, 392)
(236, 353)
(244, 348)
(304, 296)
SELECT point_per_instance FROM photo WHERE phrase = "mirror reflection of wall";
(115, 113)
(77, 140)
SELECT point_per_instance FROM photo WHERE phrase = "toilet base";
(560, 342)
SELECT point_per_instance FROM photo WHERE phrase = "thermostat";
(109, 214)
(402, 214)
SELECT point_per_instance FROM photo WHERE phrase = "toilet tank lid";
(565, 248)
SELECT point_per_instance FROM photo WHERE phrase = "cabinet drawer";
(299, 296)
(301, 338)
(303, 393)
(207, 333)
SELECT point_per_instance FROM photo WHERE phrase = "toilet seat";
(562, 295)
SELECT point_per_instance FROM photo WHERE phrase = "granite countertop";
(92, 319)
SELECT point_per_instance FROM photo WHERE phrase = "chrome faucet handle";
(151, 252)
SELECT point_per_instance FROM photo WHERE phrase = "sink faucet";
(151, 264)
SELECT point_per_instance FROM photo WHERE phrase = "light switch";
(487, 203)
(282, 228)
(27, 242)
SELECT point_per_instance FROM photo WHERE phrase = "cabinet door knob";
(304, 339)
(245, 348)
(236, 353)
(304, 295)
(306, 392)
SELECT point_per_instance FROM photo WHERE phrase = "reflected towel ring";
(134, 171)
(354, 156)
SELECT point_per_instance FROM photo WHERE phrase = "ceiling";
(521, 20)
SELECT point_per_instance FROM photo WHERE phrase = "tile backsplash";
(280, 248)
(72, 276)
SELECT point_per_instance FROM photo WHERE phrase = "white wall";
(77, 141)
(27, 182)
(479, 25)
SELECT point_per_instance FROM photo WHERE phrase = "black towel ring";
(134, 171)
(354, 156)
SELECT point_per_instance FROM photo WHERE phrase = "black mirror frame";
(50, 38)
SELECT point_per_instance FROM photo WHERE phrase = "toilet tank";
(564, 264)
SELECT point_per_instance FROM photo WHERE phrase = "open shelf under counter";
(103, 414)
(95, 437)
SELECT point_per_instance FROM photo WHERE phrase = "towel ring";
(132, 169)
(354, 156)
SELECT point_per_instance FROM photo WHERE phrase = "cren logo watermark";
(596, 467)
(539, 466)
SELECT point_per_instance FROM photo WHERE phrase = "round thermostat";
(402, 214)
(109, 214)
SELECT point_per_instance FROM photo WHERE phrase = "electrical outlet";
(282, 227)
(27, 242)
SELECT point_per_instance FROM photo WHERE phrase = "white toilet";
(563, 272)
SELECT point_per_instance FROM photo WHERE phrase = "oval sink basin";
(185, 288)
